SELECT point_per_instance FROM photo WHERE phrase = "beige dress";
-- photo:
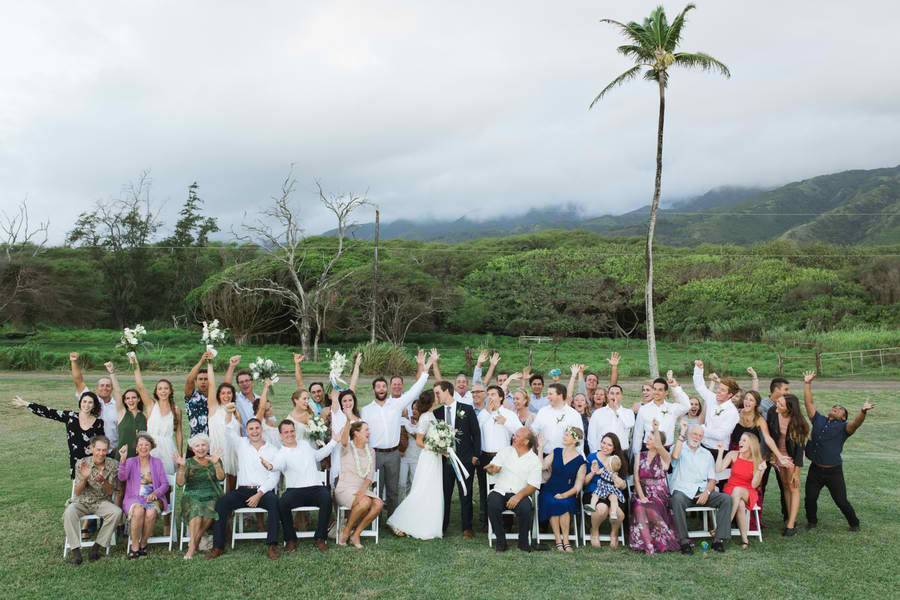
(357, 464)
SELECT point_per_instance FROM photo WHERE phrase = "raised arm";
(435, 365)
(211, 400)
(676, 449)
(298, 370)
(117, 388)
(77, 375)
(41, 410)
(233, 362)
(139, 384)
(754, 379)
(808, 394)
(853, 425)
(345, 432)
(263, 399)
(613, 361)
(191, 380)
(354, 376)
(495, 359)
(723, 460)
(678, 394)
(700, 384)
(478, 371)
(505, 385)
(575, 370)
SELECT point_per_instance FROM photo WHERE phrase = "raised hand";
(762, 466)
(575, 368)
(84, 470)
(132, 359)
(482, 356)
(123, 452)
(207, 356)
(752, 373)
(613, 359)
(808, 376)
(720, 447)
(867, 406)
(235, 360)
(214, 458)
(359, 357)
(670, 378)
(19, 403)
(73, 357)
(714, 377)
(684, 428)
(495, 358)
(178, 459)
(435, 356)
(698, 364)
(514, 377)
(230, 407)
(110, 367)
(298, 358)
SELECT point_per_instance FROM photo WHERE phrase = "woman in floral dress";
(652, 528)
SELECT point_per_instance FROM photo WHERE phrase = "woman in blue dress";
(558, 498)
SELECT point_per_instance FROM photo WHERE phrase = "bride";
(421, 514)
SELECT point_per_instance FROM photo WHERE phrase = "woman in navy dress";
(558, 498)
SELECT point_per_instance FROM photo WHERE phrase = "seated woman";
(609, 446)
(146, 488)
(652, 528)
(557, 501)
(354, 487)
(747, 468)
(200, 475)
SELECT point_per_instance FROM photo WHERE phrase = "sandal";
(132, 554)
(745, 543)
(561, 547)
(567, 548)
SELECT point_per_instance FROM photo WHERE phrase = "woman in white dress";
(341, 403)
(164, 421)
(218, 441)
(421, 514)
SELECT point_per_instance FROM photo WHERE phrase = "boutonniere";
(560, 418)
(719, 411)
(664, 412)
(460, 413)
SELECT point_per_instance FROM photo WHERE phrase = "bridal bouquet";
(264, 368)
(317, 430)
(440, 438)
(212, 335)
(338, 363)
(131, 339)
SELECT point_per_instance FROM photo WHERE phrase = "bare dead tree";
(20, 240)
(243, 313)
(307, 278)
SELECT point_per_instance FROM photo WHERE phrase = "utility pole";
(375, 273)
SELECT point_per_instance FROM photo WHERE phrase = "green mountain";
(851, 207)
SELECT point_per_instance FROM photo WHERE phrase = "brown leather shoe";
(468, 534)
(214, 553)
(321, 545)
(291, 546)
(272, 552)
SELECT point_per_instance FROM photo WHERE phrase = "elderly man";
(693, 483)
(517, 474)
(304, 484)
(104, 391)
(95, 482)
(255, 484)
(824, 453)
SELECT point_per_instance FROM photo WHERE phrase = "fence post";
(780, 364)
(881, 358)
(819, 362)
(468, 359)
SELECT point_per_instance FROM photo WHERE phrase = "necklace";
(359, 470)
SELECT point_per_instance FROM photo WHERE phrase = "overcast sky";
(437, 108)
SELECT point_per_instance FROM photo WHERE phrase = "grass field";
(178, 350)
(827, 563)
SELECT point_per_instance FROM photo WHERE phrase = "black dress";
(78, 439)
(740, 430)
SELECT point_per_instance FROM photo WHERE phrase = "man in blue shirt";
(693, 483)
(824, 453)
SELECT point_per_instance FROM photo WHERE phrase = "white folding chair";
(751, 516)
(164, 539)
(372, 530)
(707, 513)
(85, 518)
(184, 534)
(323, 479)
(510, 535)
(573, 528)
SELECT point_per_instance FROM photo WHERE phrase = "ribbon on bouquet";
(459, 468)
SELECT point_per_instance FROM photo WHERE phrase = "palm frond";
(658, 25)
(621, 79)
(673, 36)
(700, 60)
(652, 74)
(637, 53)
(633, 31)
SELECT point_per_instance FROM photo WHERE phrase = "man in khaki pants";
(95, 483)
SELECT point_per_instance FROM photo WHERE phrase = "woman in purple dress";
(652, 529)
(146, 488)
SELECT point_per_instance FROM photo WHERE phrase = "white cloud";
(436, 108)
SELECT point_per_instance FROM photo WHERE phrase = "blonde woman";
(747, 468)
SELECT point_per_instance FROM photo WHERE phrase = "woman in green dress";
(131, 411)
(200, 475)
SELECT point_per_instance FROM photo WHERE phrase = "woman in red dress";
(747, 468)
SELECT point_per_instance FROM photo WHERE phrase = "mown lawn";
(827, 563)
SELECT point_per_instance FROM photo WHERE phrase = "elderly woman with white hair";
(200, 475)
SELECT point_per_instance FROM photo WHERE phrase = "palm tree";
(652, 46)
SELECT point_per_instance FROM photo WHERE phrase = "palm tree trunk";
(654, 206)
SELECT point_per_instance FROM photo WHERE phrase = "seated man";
(517, 474)
(255, 484)
(95, 482)
(303, 482)
(693, 483)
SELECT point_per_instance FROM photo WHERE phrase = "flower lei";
(359, 471)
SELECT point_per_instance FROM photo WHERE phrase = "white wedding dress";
(162, 429)
(421, 514)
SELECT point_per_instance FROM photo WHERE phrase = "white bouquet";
(317, 430)
(212, 335)
(131, 339)
(440, 437)
(264, 368)
(338, 363)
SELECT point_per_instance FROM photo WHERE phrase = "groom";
(468, 446)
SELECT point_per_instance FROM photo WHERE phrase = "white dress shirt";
(110, 416)
(384, 419)
(553, 422)
(251, 472)
(466, 399)
(299, 464)
(606, 420)
(665, 414)
(494, 436)
(720, 418)
(244, 406)
(516, 471)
